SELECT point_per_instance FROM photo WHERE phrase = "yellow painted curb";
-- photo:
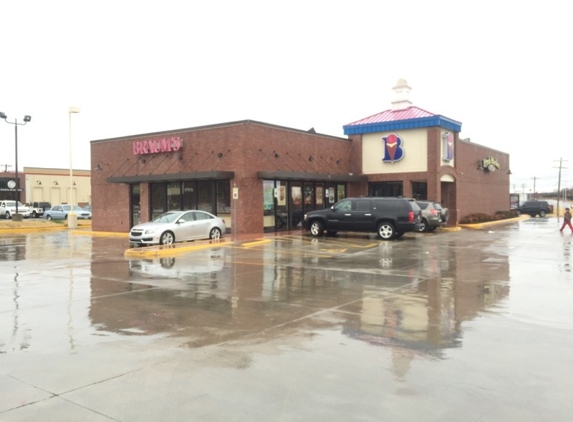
(477, 226)
(153, 251)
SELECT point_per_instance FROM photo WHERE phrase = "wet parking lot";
(469, 325)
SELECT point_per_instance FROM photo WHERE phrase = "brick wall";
(244, 148)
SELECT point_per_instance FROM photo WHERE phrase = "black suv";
(389, 217)
(533, 208)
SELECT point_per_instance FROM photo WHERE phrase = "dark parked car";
(388, 217)
(534, 208)
(433, 215)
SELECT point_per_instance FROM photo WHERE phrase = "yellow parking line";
(258, 242)
(172, 250)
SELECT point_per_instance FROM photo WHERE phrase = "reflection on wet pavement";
(423, 305)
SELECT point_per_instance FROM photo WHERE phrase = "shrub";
(484, 218)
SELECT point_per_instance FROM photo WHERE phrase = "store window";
(269, 204)
(135, 199)
(173, 196)
(420, 190)
(158, 199)
(207, 195)
(385, 189)
(205, 191)
(190, 195)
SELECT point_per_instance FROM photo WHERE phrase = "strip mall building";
(261, 177)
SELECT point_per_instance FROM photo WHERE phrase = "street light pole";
(72, 217)
(27, 118)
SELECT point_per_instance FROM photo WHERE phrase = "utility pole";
(534, 179)
(559, 186)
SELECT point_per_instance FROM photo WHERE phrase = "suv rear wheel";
(423, 226)
(316, 228)
(386, 231)
(542, 213)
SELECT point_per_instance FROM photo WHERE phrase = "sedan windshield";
(168, 217)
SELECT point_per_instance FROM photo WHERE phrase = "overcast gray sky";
(501, 68)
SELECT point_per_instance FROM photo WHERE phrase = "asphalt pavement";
(466, 325)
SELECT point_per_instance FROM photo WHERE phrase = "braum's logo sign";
(393, 148)
(155, 146)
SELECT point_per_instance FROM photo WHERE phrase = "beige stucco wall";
(53, 185)
(415, 152)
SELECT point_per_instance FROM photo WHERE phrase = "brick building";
(264, 177)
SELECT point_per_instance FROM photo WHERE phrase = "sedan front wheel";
(167, 238)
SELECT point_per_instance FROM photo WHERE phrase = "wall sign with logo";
(393, 148)
(447, 146)
(489, 164)
(154, 146)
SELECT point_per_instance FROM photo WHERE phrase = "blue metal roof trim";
(404, 125)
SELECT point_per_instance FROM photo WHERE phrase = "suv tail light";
(435, 212)
(411, 217)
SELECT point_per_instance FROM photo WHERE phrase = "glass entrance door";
(296, 211)
(282, 207)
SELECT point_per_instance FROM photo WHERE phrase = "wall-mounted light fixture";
(56, 182)
(310, 158)
(220, 154)
(38, 182)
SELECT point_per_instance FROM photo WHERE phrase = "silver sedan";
(178, 226)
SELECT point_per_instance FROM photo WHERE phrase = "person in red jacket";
(567, 220)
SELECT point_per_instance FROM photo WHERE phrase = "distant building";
(47, 185)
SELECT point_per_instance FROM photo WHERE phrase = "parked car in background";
(37, 208)
(60, 212)
(534, 208)
(433, 216)
(389, 217)
(178, 226)
(8, 209)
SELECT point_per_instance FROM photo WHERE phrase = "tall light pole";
(27, 118)
(72, 217)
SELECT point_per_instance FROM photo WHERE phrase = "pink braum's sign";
(155, 146)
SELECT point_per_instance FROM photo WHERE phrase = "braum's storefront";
(263, 178)
(277, 173)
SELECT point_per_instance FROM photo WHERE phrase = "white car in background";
(8, 209)
(178, 226)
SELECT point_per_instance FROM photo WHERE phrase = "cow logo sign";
(393, 148)
(448, 146)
